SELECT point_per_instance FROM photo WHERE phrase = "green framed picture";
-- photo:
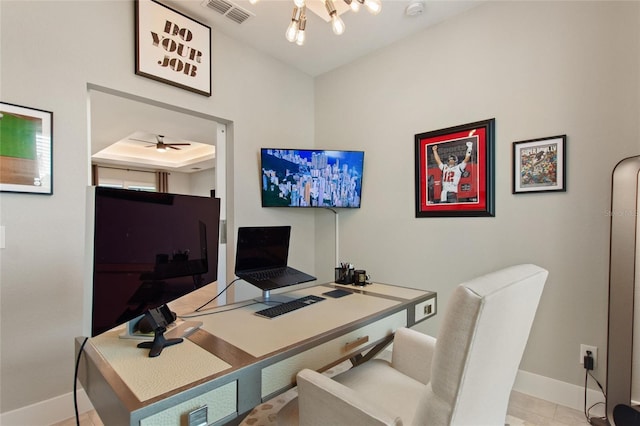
(25, 149)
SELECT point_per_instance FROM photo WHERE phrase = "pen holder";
(343, 276)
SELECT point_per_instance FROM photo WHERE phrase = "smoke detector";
(415, 8)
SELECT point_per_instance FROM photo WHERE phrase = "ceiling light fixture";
(295, 32)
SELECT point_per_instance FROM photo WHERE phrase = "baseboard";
(47, 412)
(558, 392)
(61, 408)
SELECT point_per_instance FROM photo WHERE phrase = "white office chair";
(465, 377)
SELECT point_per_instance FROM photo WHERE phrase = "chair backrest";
(480, 344)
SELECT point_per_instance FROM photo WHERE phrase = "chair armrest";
(323, 401)
(412, 354)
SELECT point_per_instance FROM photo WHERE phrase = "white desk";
(238, 359)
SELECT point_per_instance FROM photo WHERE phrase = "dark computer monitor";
(144, 250)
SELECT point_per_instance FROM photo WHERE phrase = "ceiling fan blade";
(171, 146)
(175, 144)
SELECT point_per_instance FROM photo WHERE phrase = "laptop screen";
(262, 247)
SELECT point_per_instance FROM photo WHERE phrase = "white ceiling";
(139, 148)
(323, 50)
(116, 119)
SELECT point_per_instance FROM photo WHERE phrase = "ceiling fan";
(161, 145)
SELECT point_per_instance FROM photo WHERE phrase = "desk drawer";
(220, 402)
(282, 374)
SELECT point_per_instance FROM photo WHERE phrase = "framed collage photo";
(539, 165)
(172, 48)
(454, 171)
(26, 136)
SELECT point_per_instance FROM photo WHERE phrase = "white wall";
(540, 69)
(201, 183)
(51, 50)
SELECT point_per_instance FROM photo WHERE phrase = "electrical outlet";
(594, 354)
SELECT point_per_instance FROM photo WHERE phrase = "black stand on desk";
(158, 319)
(159, 342)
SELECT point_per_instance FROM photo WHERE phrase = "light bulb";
(374, 6)
(292, 29)
(300, 37)
(337, 25)
(353, 4)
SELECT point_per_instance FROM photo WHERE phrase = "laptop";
(261, 258)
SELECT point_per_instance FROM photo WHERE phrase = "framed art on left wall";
(26, 136)
(172, 48)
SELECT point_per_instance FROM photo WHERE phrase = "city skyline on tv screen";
(311, 178)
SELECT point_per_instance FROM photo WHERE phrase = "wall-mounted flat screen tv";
(311, 178)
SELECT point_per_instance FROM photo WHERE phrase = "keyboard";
(290, 306)
(270, 274)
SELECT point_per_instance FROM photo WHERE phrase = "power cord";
(75, 381)
(216, 311)
(588, 366)
(216, 296)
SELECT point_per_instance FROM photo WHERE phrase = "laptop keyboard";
(270, 274)
(290, 306)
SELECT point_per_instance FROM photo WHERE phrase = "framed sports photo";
(454, 171)
(539, 165)
(172, 48)
(26, 136)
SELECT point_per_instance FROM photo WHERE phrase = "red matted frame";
(463, 187)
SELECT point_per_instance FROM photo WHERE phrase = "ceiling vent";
(228, 9)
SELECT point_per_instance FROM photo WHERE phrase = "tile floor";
(524, 410)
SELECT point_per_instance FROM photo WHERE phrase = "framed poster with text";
(172, 48)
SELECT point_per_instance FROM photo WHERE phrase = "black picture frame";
(26, 149)
(172, 48)
(463, 186)
(539, 165)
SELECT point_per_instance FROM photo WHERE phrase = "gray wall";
(540, 69)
